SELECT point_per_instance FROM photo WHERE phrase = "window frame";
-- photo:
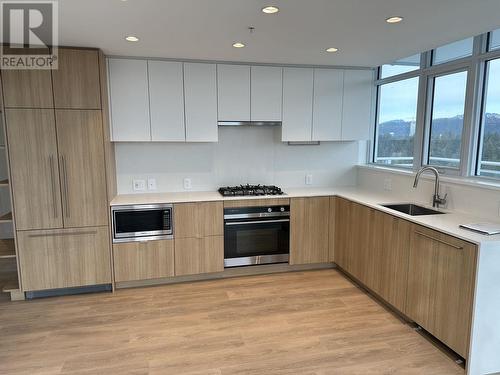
(475, 65)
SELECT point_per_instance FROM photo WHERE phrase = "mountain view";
(395, 138)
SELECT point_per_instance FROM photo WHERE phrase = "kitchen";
(225, 205)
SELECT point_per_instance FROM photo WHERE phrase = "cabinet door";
(266, 84)
(129, 100)
(357, 104)
(81, 159)
(343, 229)
(27, 89)
(64, 258)
(199, 255)
(387, 260)
(233, 88)
(76, 80)
(198, 219)
(441, 280)
(200, 97)
(297, 104)
(143, 260)
(166, 91)
(309, 229)
(34, 168)
(327, 109)
(331, 232)
(360, 237)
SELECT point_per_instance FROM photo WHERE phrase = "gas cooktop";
(250, 190)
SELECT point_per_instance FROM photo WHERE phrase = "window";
(396, 122)
(447, 120)
(489, 148)
(405, 65)
(452, 51)
(494, 40)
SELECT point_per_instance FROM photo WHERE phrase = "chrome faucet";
(436, 199)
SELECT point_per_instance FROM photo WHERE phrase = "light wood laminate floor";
(308, 323)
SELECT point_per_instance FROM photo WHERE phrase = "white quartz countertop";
(448, 223)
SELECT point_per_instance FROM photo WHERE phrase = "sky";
(398, 100)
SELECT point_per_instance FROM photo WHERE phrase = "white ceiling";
(298, 34)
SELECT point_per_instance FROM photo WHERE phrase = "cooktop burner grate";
(250, 190)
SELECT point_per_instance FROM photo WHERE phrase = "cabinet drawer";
(199, 255)
(143, 260)
(63, 258)
(198, 219)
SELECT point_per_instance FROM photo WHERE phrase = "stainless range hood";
(249, 123)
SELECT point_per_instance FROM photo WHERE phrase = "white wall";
(466, 197)
(242, 155)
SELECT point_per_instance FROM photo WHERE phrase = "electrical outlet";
(151, 183)
(187, 184)
(139, 185)
(309, 179)
(387, 184)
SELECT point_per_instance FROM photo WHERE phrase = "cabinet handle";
(53, 184)
(65, 185)
(62, 234)
(439, 240)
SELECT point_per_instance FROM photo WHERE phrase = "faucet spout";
(437, 200)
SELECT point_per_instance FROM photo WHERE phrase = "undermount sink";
(412, 209)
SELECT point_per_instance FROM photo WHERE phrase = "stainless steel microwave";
(142, 222)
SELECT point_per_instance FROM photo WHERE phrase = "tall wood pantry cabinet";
(57, 137)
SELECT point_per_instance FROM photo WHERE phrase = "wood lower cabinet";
(34, 165)
(387, 258)
(199, 255)
(309, 227)
(199, 219)
(441, 281)
(143, 260)
(64, 258)
(373, 247)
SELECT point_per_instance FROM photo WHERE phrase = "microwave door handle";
(258, 222)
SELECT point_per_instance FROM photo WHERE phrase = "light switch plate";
(387, 184)
(309, 179)
(139, 185)
(151, 183)
(187, 184)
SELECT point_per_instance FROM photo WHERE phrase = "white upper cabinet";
(297, 104)
(166, 91)
(233, 87)
(129, 100)
(327, 107)
(266, 93)
(200, 98)
(357, 112)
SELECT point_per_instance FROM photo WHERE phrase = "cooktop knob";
(282, 209)
(269, 209)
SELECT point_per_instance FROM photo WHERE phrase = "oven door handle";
(257, 222)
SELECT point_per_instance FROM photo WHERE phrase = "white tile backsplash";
(242, 155)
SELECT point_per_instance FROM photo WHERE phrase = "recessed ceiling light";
(332, 49)
(238, 45)
(270, 9)
(131, 38)
(394, 19)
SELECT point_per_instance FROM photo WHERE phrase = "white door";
(327, 108)
(356, 115)
(266, 93)
(166, 99)
(129, 100)
(200, 98)
(297, 104)
(233, 87)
